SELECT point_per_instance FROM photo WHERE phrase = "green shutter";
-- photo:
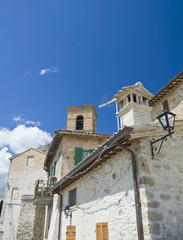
(78, 155)
(91, 150)
(54, 166)
(51, 174)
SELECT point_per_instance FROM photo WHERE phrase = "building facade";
(19, 215)
(68, 149)
(121, 190)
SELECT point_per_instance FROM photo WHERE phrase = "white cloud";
(4, 160)
(18, 140)
(48, 70)
(32, 123)
(22, 137)
(4, 166)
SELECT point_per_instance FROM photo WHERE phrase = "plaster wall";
(52, 232)
(135, 114)
(104, 195)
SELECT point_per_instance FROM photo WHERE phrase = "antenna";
(109, 102)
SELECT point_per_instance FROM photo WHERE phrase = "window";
(85, 154)
(102, 231)
(72, 198)
(81, 154)
(52, 172)
(15, 194)
(29, 159)
(134, 98)
(79, 123)
(166, 105)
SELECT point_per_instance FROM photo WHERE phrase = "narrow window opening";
(128, 98)
(29, 159)
(15, 194)
(72, 198)
(79, 123)
(134, 98)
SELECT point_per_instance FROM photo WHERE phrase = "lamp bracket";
(154, 149)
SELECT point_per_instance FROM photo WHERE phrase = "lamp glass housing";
(167, 120)
(67, 210)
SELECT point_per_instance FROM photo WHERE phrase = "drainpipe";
(43, 223)
(60, 218)
(136, 192)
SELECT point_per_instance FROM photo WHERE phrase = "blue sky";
(62, 53)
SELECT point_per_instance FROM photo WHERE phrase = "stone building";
(19, 217)
(68, 148)
(121, 190)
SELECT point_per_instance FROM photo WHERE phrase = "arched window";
(79, 123)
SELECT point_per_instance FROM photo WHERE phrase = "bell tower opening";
(82, 118)
(79, 123)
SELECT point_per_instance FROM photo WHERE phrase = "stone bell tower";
(82, 118)
(133, 104)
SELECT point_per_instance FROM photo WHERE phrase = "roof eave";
(174, 82)
(121, 135)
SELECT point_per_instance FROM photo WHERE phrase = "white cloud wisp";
(19, 120)
(48, 70)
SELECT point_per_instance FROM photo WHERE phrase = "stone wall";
(26, 219)
(89, 117)
(175, 101)
(161, 190)
(39, 222)
(106, 194)
(21, 181)
(31, 219)
(65, 155)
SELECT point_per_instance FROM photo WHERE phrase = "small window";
(81, 154)
(29, 159)
(85, 154)
(166, 105)
(102, 231)
(15, 194)
(79, 123)
(72, 197)
(52, 172)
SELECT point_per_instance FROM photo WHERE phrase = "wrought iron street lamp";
(67, 211)
(167, 120)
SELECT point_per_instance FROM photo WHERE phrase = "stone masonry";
(30, 220)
